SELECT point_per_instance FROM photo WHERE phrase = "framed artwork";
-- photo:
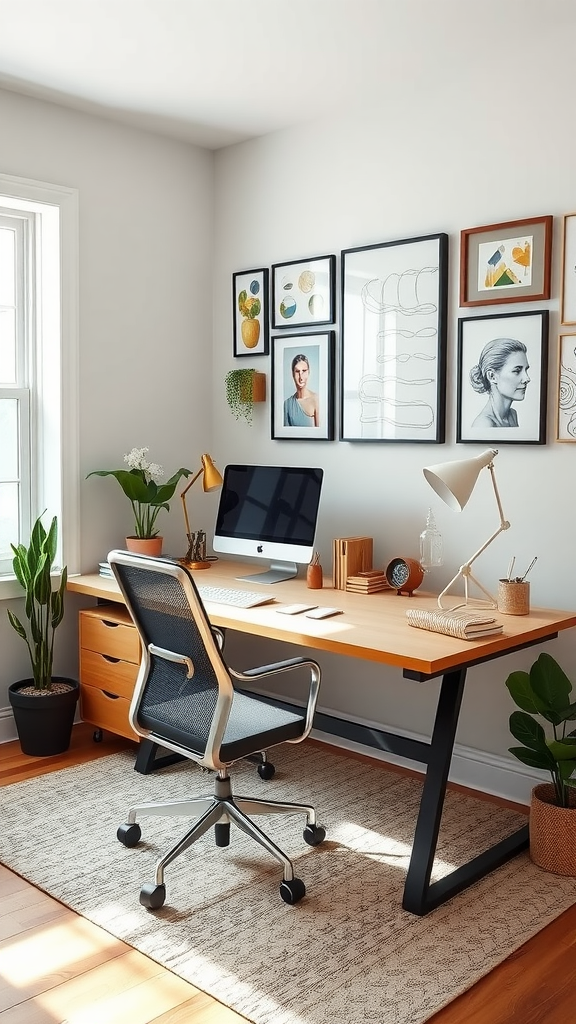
(393, 372)
(506, 262)
(568, 300)
(250, 312)
(303, 386)
(303, 292)
(566, 402)
(502, 378)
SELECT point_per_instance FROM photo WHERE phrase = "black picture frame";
(490, 357)
(289, 419)
(250, 312)
(304, 293)
(394, 328)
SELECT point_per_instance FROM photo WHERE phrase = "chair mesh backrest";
(164, 617)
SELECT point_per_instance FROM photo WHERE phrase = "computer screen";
(269, 512)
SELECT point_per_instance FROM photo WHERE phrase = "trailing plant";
(44, 606)
(545, 691)
(141, 485)
(239, 386)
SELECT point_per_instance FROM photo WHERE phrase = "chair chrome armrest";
(263, 671)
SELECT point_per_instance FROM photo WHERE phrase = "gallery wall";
(438, 156)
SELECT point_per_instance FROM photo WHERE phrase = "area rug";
(347, 952)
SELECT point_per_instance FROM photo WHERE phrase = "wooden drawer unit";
(109, 660)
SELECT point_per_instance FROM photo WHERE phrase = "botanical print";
(506, 263)
(567, 389)
(303, 292)
(393, 341)
(250, 310)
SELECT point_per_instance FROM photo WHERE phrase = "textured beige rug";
(348, 952)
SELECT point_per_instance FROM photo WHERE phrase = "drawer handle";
(111, 696)
(113, 661)
(109, 624)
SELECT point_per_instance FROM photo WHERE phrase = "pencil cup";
(314, 576)
(513, 598)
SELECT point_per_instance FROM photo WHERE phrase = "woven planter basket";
(553, 832)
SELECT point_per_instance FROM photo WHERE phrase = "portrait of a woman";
(301, 409)
(501, 373)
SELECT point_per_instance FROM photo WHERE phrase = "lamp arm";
(183, 499)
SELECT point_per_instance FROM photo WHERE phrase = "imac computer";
(269, 512)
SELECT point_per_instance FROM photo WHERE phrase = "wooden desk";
(374, 628)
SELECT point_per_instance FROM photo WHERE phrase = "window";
(38, 366)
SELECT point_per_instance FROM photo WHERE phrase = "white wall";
(482, 147)
(145, 269)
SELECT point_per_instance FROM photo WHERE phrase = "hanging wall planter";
(244, 388)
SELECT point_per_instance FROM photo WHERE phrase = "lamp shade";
(211, 479)
(455, 481)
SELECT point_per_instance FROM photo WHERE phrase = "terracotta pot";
(553, 832)
(314, 576)
(151, 546)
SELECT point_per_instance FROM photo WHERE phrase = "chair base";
(220, 810)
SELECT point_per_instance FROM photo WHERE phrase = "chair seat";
(253, 724)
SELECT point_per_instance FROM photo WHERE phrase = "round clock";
(404, 575)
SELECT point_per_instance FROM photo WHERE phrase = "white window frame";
(55, 483)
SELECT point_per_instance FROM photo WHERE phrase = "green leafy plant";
(141, 485)
(248, 306)
(239, 386)
(44, 606)
(545, 692)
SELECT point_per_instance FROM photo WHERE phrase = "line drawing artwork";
(567, 395)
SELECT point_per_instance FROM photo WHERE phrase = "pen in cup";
(520, 579)
(510, 568)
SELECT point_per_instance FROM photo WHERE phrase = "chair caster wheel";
(266, 771)
(314, 834)
(293, 891)
(129, 835)
(152, 896)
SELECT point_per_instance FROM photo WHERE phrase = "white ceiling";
(215, 72)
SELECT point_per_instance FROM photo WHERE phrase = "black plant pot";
(44, 719)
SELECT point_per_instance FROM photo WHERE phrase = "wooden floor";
(55, 966)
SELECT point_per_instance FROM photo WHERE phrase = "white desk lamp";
(454, 483)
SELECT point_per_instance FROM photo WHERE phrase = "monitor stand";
(277, 572)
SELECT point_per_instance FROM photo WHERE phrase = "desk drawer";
(117, 677)
(107, 632)
(106, 711)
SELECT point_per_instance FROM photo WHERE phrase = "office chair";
(188, 700)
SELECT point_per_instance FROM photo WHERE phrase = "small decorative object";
(507, 262)
(430, 544)
(244, 388)
(502, 378)
(373, 581)
(545, 692)
(303, 292)
(454, 483)
(514, 597)
(250, 312)
(44, 725)
(566, 398)
(404, 575)
(141, 485)
(303, 386)
(314, 574)
(394, 328)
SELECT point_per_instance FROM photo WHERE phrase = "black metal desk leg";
(433, 793)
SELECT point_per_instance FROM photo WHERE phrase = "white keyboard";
(237, 598)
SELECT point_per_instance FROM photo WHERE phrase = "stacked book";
(105, 570)
(462, 623)
(369, 582)
(351, 555)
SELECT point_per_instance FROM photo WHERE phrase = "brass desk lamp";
(454, 483)
(195, 557)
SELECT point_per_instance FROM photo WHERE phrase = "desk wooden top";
(372, 627)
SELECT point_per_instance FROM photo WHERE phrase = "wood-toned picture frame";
(250, 312)
(502, 378)
(304, 292)
(508, 262)
(394, 323)
(566, 398)
(303, 386)
(568, 274)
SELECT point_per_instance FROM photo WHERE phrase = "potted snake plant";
(44, 705)
(546, 693)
